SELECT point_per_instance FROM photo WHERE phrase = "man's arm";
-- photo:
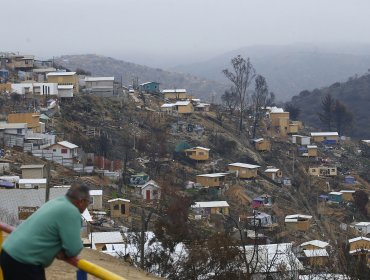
(69, 232)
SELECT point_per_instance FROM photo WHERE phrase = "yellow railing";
(81, 264)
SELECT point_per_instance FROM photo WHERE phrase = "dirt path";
(60, 270)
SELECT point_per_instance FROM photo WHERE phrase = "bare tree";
(230, 99)
(260, 98)
(241, 76)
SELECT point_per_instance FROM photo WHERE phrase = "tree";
(361, 200)
(293, 110)
(241, 76)
(343, 118)
(327, 108)
(259, 101)
(230, 100)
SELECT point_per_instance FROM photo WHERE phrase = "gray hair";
(78, 191)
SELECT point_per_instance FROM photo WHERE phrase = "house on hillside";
(262, 145)
(280, 120)
(206, 208)
(33, 90)
(301, 140)
(244, 170)
(212, 180)
(175, 94)
(180, 107)
(34, 171)
(119, 207)
(348, 195)
(314, 244)
(260, 219)
(202, 107)
(149, 191)
(139, 179)
(273, 173)
(20, 62)
(65, 91)
(197, 153)
(298, 222)
(335, 197)
(100, 239)
(13, 134)
(316, 257)
(32, 183)
(262, 200)
(100, 86)
(312, 151)
(64, 78)
(293, 128)
(360, 247)
(150, 87)
(323, 171)
(362, 228)
(32, 120)
(64, 149)
(96, 200)
(325, 137)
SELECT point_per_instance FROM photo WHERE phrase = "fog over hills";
(290, 69)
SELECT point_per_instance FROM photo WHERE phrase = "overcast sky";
(175, 31)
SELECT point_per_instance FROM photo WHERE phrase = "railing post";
(81, 275)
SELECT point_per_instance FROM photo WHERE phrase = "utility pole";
(47, 190)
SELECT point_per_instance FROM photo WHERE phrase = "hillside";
(288, 69)
(107, 66)
(355, 94)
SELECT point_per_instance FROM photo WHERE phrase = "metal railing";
(84, 267)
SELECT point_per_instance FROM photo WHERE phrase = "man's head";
(79, 194)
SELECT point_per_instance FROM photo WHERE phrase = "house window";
(332, 170)
(313, 170)
(54, 150)
(201, 153)
(123, 209)
(215, 179)
(64, 151)
(19, 131)
(116, 207)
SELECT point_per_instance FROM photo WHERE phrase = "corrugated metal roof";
(316, 253)
(96, 192)
(98, 79)
(324, 133)
(213, 175)
(244, 165)
(118, 199)
(32, 166)
(210, 204)
(68, 144)
(60, 74)
(317, 243)
(180, 90)
(271, 170)
(32, 181)
(106, 237)
(358, 239)
(65, 87)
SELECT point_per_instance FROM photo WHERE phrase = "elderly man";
(52, 231)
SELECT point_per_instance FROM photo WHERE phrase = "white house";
(64, 149)
(100, 239)
(363, 228)
(96, 201)
(65, 91)
(102, 86)
(32, 183)
(149, 191)
(13, 134)
(35, 88)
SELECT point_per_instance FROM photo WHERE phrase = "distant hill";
(288, 69)
(107, 66)
(355, 94)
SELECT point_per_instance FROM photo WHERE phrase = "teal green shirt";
(54, 227)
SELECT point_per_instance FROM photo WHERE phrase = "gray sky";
(169, 32)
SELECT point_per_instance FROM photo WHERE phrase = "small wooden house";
(293, 128)
(100, 239)
(150, 87)
(360, 246)
(362, 228)
(273, 173)
(64, 149)
(175, 94)
(244, 170)
(96, 200)
(312, 150)
(34, 171)
(323, 171)
(347, 195)
(262, 145)
(335, 197)
(301, 140)
(206, 208)
(212, 180)
(197, 153)
(316, 257)
(119, 207)
(298, 222)
(260, 219)
(326, 137)
(314, 245)
(184, 107)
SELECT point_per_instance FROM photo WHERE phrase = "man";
(52, 231)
